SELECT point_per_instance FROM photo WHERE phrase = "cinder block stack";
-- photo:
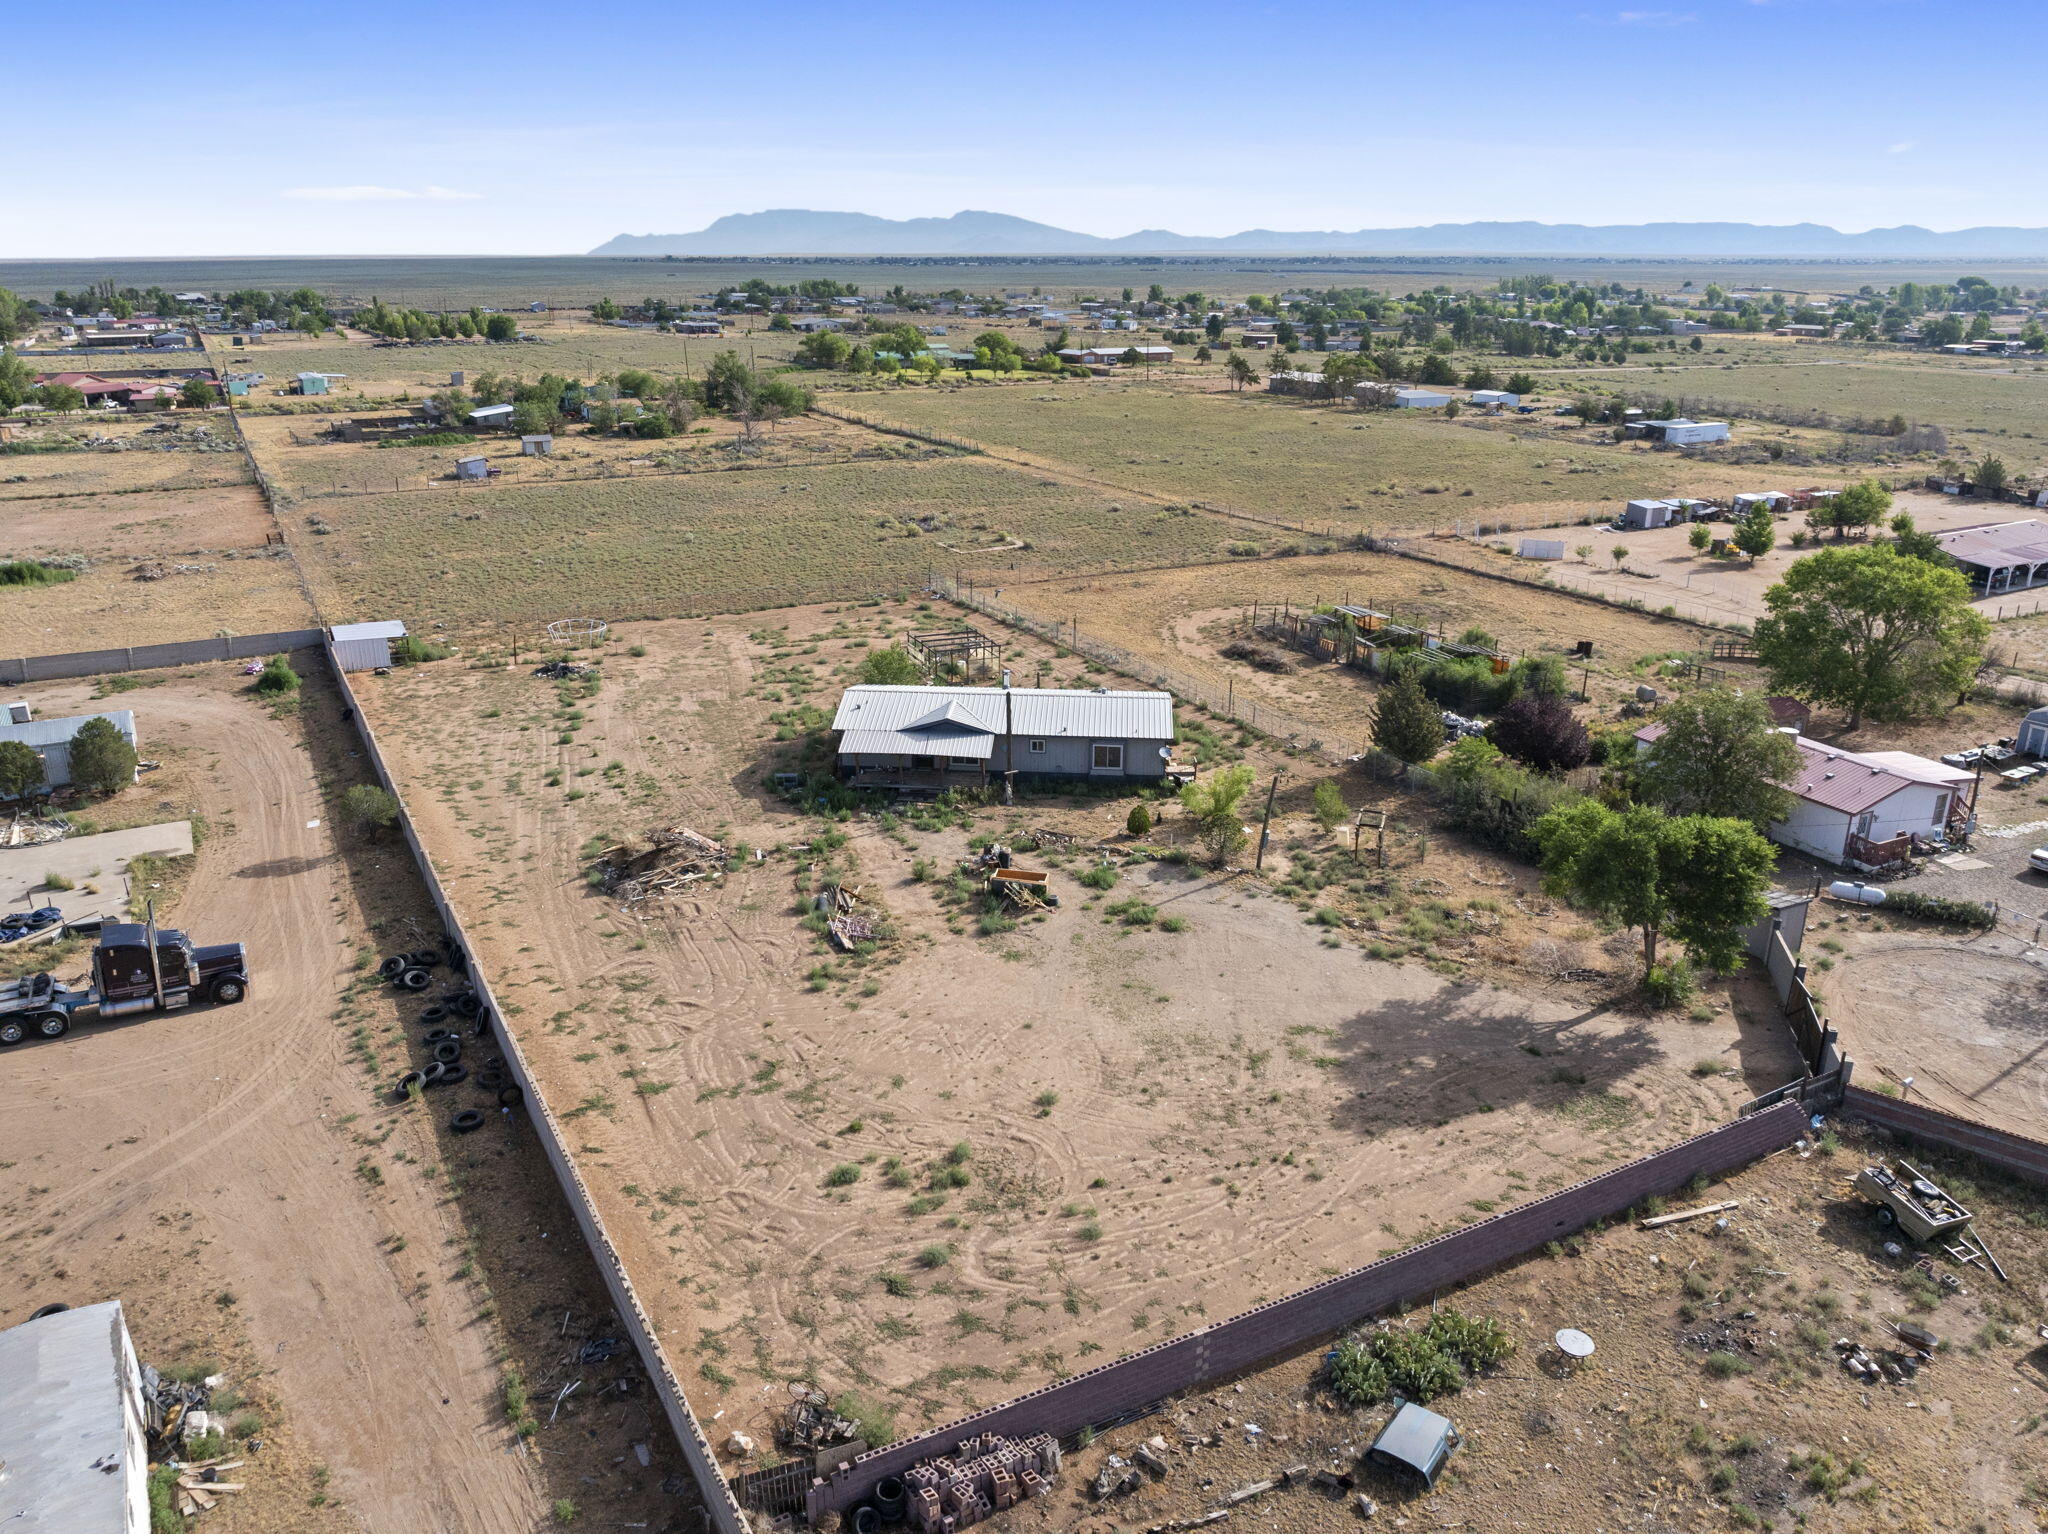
(984, 1475)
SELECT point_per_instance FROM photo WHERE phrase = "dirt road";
(238, 1116)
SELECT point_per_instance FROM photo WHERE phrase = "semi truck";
(136, 967)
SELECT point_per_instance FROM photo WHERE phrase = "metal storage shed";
(1416, 1439)
(73, 1455)
(364, 646)
(2033, 736)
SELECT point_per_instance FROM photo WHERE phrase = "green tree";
(1756, 534)
(1212, 805)
(1700, 536)
(1405, 724)
(21, 770)
(1914, 544)
(1139, 821)
(1863, 504)
(823, 349)
(1719, 753)
(1239, 371)
(535, 418)
(61, 398)
(1540, 729)
(728, 382)
(1331, 810)
(1871, 631)
(891, 666)
(198, 394)
(604, 309)
(101, 758)
(501, 327)
(1694, 878)
(1436, 371)
(1991, 474)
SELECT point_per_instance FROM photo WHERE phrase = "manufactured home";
(910, 735)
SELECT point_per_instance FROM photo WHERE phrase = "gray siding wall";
(1062, 755)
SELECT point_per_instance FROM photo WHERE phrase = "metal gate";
(776, 1490)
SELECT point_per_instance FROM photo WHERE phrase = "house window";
(1109, 758)
(967, 762)
(1863, 825)
(1940, 811)
(1037, 746)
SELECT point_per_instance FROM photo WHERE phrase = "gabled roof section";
(911, 719)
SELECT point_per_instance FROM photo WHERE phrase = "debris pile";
(564, 670)
(811, 1424)
(156, 570)
(28, 832)
(199, 1485)
(668, 859)
(985, 1475)
(845, 924)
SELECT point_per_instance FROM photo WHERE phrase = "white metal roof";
(62, 1416)
(963, 721)
(387, 628)
(58, 731)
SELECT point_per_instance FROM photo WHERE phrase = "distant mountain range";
(801, 232)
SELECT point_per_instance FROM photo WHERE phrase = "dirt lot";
(1662, 565)
(141, 526)
(1651, 1434)
(1175, 1114)
(1185, 618)
(240, 1177)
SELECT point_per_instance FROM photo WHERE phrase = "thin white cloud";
(1654, 18)
(380, 194)
(1901, 147)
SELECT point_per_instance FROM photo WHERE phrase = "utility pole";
(1266, 824)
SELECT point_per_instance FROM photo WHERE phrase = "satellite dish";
(1574, 1343)
(1166, 753)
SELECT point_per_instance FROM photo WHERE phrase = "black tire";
(414, 980)
(468, 1121)
(434, 1014)
(448, 1051)
(424, 958)
(495, 1063)
(12, 1030)
(56, 1309)
(451, 1074)
(1885, 1216)
(226, 990)
(433, 1073)
(408, 1081)
(392, 967)
(50, 1025)
(511, 1097)
(468, 1006)
(491, 1080)
(436, 1035)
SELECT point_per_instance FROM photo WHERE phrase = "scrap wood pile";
(845, 923)
(669, 858)
(199, 1486)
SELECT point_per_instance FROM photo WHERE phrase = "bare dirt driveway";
(225, 1127)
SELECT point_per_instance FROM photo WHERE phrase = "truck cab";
(130, 978)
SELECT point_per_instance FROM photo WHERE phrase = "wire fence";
(1224, 701)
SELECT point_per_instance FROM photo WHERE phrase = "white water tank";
(1860, 894)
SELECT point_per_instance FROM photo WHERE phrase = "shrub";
(29, 572)
(408, 651)
(1101, 877)
(1139, 822)
(841, 1175)
(368, 807)
(1937, 908)
(1418, 1365)
(1331, 809)
(277, 677)
(937, 1255)
(1669, 985)
(1723, 1365)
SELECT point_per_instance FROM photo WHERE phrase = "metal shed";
(2033, 737)
(474, 467)
(73, 1450)
(1416, 1439)
(364, 646)
(538, 445)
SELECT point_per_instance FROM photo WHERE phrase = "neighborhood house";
(50, 739)
(897, 734)
(1864, 809)
(2000, 556)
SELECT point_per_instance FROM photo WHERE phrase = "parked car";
(2038, 860)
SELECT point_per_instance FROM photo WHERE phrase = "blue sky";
(513, 127)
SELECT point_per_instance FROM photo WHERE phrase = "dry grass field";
(144, 525)
(109, 605)
(711, 542)
(1186, 618)
(34, 476)
(1318, 465)
(570, 347)
(306, 464)
(972, 1163)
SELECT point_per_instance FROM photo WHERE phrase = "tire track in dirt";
(392, 1387)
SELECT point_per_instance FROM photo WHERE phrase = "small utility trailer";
(1913, 1202)
(136, 967)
